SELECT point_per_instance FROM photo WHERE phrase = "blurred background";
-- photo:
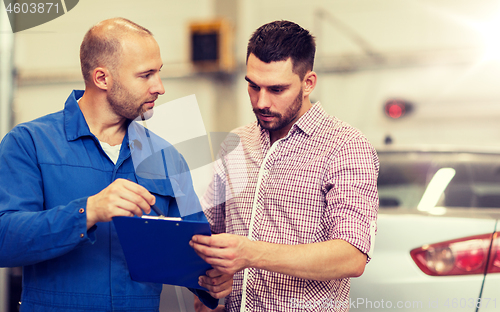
(404, 72)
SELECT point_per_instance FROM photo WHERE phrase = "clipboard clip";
(161, 215)
(157, 211)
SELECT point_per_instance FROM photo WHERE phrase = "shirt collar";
(74, 122)
(308, 122)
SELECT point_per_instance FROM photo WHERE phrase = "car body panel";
(491, 290)
(392, 280)
(393, 275)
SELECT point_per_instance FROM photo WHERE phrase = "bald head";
(102, 44)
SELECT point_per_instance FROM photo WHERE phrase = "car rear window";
(405, 177)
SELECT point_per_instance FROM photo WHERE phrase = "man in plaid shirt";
(293, 202)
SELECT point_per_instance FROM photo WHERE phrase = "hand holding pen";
(120, 198)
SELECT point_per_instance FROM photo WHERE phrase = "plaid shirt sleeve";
(352, 198)
(213, 201)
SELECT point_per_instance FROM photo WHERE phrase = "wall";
(429, 51)
(442, 55)
(47, 57)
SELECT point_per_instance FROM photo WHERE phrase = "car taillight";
(469, 255)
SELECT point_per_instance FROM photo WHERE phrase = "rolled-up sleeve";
(352, 197)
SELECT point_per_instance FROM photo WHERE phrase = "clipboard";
(157, 249)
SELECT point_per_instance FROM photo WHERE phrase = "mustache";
(266, 112)
(153, 99)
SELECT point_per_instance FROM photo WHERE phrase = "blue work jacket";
(48, 169)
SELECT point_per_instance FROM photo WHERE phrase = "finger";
(206, 251)
(140, 190)
(213, 273)
(117, 192)
(219, 291)
(133, 193)
(207, 259)
(216, 281)
(223, 265)
(216, 277)
(210, 281)
(215, 240)
(214, 291)
(201, 239)
(220, 259)
(224, 278)
(135, 201)
(122, 212)
(114, 212)
(123, 206)
(220, 266)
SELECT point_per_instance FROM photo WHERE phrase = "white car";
(437, 245)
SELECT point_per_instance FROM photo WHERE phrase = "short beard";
(284, 120)
(122, 102)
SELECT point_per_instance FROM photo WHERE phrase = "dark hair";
(103, 47)
(279, 40)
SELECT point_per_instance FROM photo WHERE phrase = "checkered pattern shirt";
(316, 184)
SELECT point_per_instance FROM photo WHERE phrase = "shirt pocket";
(162, 187)
(163, 191)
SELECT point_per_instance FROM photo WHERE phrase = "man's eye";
(256, 88)
(276, 90)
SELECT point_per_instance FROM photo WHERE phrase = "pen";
(157, 210)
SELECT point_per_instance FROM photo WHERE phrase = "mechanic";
(64, 176)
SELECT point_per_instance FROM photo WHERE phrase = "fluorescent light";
(435, 189)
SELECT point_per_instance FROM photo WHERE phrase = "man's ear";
(309, 82)
(101, 78)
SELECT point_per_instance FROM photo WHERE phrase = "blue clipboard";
(157, 249)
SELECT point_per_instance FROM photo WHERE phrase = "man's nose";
(158, 86)
(263, 99)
